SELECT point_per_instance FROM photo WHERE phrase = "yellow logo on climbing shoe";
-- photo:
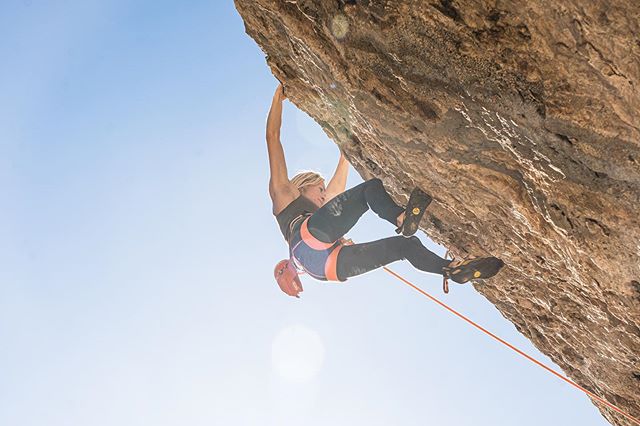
(477, 274)
(415, 210)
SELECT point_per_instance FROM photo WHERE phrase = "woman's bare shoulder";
(282, 196)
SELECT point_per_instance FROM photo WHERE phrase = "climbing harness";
(286, 271)
(530, 358)
(331, 264)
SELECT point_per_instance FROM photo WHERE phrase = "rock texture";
(522, 118)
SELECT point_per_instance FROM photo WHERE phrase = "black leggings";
(340, 214)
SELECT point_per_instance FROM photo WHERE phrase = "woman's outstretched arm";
(280, 189)
(338, 182)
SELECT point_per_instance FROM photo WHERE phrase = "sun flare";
(297, 353)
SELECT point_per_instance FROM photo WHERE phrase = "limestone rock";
(522, 119)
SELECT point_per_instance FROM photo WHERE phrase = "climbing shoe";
(418, 203)
(462, 271)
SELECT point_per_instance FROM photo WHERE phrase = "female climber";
(314, 219)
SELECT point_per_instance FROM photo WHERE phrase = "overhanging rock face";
(522, 119)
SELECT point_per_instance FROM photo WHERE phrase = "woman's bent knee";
(404, 244)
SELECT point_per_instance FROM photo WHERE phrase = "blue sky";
(138, 247)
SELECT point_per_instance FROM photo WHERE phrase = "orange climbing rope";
(535, 361)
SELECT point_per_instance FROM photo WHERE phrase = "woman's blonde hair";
(303, 179)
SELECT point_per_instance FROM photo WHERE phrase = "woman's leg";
(360, 258)
(331, 221)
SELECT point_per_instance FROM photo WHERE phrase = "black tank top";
(301, 205)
